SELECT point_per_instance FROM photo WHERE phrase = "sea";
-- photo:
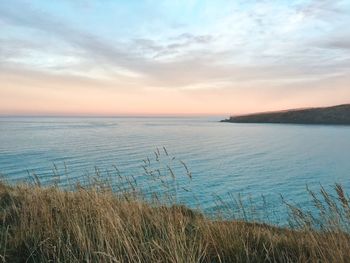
(207, 164)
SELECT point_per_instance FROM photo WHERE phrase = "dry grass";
(100, 221)
(89, 225)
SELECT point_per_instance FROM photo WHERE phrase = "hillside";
(336, 115)
(39, 224)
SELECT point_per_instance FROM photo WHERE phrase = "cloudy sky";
(127, 57)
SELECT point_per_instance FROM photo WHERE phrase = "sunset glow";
(172, 57)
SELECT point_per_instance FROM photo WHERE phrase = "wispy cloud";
(186, 46)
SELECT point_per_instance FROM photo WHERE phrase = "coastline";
(335, 115)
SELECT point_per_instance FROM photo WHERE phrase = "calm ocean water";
(224, 158)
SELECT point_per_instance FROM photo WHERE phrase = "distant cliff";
(336, 115)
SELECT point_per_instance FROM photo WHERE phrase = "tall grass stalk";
(115, 218)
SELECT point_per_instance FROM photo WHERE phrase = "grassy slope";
(331, 115)
(86, 225)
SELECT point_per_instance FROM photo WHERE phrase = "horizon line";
(109, 116)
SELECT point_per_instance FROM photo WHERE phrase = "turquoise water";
(224, 158)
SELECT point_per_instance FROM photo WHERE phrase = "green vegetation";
(339, 115)
(95, 222)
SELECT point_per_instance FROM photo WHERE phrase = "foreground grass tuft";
(48, 224)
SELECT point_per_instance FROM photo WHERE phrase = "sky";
(185, 57)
